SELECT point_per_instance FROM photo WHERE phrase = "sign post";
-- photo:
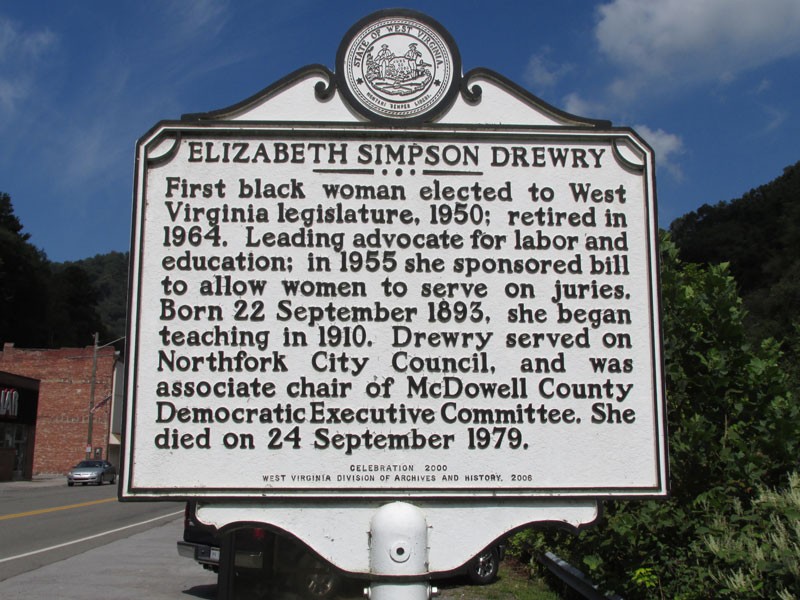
(394, 283)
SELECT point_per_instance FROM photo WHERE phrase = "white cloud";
(775, 119)
(666, 147)
(200, 19)
(15, 44)
(21, 52)
(674, 42)
(763, 86)
(11, 92)
(575, 104)
(544, 73)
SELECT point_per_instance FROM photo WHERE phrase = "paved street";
(44, 521)
(80, 543)
(145, 565)
(122, 560)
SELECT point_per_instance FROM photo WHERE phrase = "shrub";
(758, 549)
(733, 430)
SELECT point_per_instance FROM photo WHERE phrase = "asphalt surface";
(144, 565)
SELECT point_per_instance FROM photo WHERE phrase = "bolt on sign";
(394, 280)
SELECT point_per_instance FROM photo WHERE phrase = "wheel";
(113, 480)
(484, 567)
(70, 483)
(320, 584)
(317, 581)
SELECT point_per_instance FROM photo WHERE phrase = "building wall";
(62, 420)
(17, 425)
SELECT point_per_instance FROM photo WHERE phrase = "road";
(79, 543)
(45, 521)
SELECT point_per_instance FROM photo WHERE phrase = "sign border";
(179, 130)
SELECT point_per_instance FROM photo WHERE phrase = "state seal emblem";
(398, 66)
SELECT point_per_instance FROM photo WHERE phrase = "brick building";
(63, 417)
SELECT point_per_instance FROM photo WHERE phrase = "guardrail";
(573, 577)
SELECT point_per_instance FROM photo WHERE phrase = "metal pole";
(89, 444)
(398, 551)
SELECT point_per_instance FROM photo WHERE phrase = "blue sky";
(712, 85)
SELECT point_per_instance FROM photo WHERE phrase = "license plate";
(214, 554)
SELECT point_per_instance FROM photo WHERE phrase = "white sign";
(9, 403)
(325, 307)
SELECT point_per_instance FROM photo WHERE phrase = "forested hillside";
(108, 276)
(759, 235)
(42, 305)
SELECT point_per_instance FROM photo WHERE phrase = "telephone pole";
(89, 444)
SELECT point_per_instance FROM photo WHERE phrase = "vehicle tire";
(484, 567)
(317, 581)
(113, 480)
(70, 483)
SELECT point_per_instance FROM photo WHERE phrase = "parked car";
(92, 471)
(261, 553)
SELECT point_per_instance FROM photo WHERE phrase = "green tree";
(8, 220)
(39, 309)
(757, 549)
(23, 282)
(759, 235)
(108, 275)
(72, 314)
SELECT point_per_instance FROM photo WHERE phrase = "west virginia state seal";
(398, 66)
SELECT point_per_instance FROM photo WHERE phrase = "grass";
(513, 583)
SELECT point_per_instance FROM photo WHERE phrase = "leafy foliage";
(39, 307)
(24, 276)
(733, 429)
(108, 275)
(72, 317)
(758, 549)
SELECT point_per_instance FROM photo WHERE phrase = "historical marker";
(394, 281)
